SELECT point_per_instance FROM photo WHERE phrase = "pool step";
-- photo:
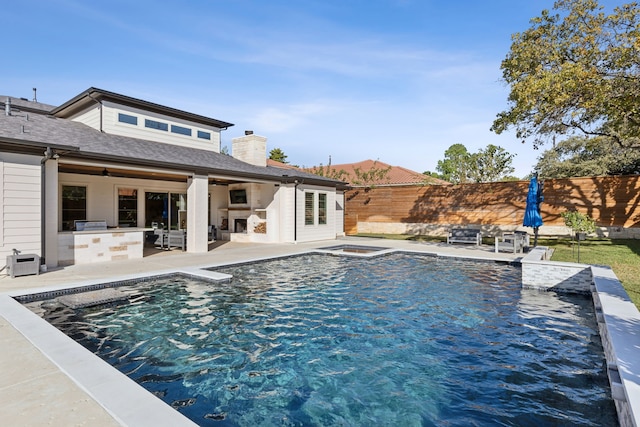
(91, 298)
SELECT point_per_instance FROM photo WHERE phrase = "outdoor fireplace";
(240, 225)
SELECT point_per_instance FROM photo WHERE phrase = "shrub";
(579, 222)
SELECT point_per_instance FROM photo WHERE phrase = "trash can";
(23, 264)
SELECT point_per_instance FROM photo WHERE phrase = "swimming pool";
(324, 340)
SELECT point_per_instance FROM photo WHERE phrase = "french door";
(167, 210)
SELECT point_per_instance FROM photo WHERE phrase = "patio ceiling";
(124, 172)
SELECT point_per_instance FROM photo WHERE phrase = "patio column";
(197, 212)
(50, 210)
(288, 215)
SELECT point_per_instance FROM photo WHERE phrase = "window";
(308, 209)
(167, 210)
(74, 205)
(152, 124)
(181, 130)
(322, 208)
(125, 118)
(127, 207)
(204, 135)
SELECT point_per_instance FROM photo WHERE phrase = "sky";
(397, 81)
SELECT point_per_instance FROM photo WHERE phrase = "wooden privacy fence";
(613, 201)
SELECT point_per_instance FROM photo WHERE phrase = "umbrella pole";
(535, 236)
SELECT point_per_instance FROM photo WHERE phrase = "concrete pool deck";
(36, 391)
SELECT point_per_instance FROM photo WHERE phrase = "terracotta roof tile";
(276, 164)
(396, 175)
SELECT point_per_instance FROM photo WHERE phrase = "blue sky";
(394, 80)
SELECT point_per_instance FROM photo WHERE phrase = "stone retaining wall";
(538, 273)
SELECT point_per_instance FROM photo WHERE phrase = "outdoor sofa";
(464, 235)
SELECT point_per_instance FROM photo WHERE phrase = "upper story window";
(181, 130)
(152, 124)
(203, 135)
(126, 118)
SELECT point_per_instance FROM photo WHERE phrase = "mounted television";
(237, 197)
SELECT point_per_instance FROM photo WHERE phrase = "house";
(374, 173)
(96, 177)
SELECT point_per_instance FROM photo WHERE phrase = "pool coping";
(114, 391)
(619, 325)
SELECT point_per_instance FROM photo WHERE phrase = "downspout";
(48, 155)
(295, 211)
(100, 107)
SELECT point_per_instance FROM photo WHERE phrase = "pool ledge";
(619, 323)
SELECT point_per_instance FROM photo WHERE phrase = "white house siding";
(90, 117)
(306, 233)
(111, 125)
(20, 195)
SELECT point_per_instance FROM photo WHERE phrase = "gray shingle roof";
(24, 105)
(92, 144)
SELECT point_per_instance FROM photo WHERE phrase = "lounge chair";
(510, 242)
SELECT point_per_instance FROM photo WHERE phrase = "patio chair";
(525, 239)
(158, 237)
(511, 242)
(176, 239)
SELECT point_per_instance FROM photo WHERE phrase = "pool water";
(321, 340)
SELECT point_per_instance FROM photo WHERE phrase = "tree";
(430, 174)
(329, 172)
(575, 72)
(579, 222)
(581, 156)
(370, 177)
(455, 167)
(486, 165)
(492, 164)
(278, 155)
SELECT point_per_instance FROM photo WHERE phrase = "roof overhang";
(21, 146)
(172, 169)
(92, 95)
(74, 160)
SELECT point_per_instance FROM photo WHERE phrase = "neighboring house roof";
(396, 175)
(30, 133)
(276, 164)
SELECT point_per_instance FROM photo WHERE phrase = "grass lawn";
(623, 256)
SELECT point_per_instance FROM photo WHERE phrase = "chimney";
(7, 107)
(250, 148)
(35, 99)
